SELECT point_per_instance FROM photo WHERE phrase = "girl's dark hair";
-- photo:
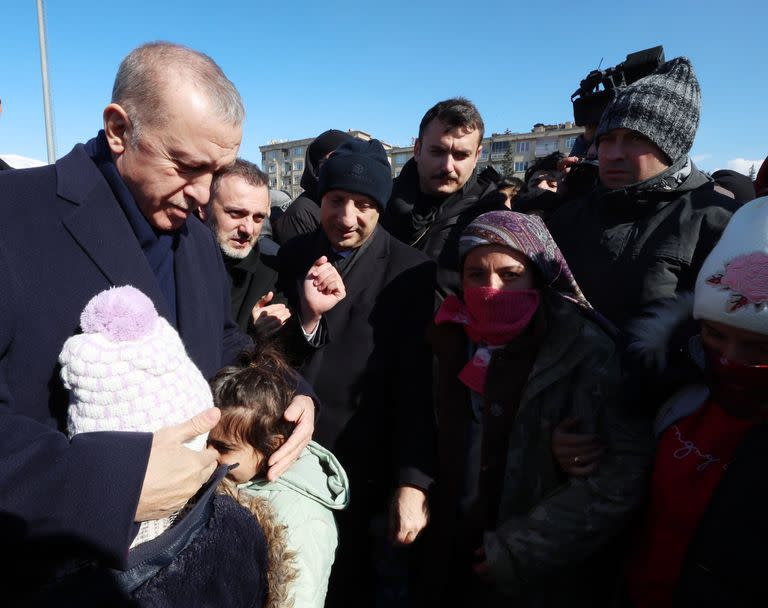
(253, 397)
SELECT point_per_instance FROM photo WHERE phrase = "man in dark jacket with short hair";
(438, 193)
(238, 208)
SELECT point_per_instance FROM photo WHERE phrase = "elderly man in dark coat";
(364, 301)
(112, 212)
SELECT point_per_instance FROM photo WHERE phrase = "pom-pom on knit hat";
(732, 287)
(664, 106)
(128, 370)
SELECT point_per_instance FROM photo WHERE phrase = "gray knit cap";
(664, 106)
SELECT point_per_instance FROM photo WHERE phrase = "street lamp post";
(46, 85)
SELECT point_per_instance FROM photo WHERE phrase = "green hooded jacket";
(304, 499)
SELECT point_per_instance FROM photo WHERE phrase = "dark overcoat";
(373, 372)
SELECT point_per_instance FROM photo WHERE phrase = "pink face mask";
(738, 387)
(496, 316)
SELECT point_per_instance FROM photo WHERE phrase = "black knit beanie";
(326, 142)
(358, 166)
(664, 106)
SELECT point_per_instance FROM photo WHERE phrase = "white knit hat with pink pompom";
(732, 287)
(128, 370)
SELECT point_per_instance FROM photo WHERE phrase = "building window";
(298, 165)
(484, 153)
(522, 147)
(499, 147)
(273, 154)
(272, 182)
(272, 168)
(297, 179)
(545, 146)
(521, 166)
(401, 158)
(298, 151)
(570, 142)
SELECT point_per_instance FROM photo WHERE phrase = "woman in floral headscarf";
(518, 353)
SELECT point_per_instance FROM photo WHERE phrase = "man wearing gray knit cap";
(642, 234)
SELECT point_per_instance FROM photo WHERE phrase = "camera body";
(589, 100)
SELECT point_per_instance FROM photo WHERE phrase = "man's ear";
(479, 151)
(117, 127)
(416, 146)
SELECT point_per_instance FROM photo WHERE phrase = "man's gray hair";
(245, 170)
(140, 84)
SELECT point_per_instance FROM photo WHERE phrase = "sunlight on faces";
(237, 213)
(627, 157)
(169, 170)
(735, 344)
(348, 218)
(498, 267)
(445, 159)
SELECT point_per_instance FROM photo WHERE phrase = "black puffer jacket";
(434, 226)
(630, 247)
(303, 215)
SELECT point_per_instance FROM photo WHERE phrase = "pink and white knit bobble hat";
(128, 370)
(732, 286)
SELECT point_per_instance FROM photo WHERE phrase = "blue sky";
(306, 66)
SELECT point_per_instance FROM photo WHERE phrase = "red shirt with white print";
(691, 458)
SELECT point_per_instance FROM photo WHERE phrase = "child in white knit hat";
(253, 397)
(705, 530)
(128, 371)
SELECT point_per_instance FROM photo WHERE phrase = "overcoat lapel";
(100, 227)
(190, 299)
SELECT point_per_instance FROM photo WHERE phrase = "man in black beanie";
(303, 214)
(364, 301)
(641, 236)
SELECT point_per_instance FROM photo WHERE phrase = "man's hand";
(565, 165)
(408, 514)
(323, 289)
(301, 411)
(268, 318)
(174, 472)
